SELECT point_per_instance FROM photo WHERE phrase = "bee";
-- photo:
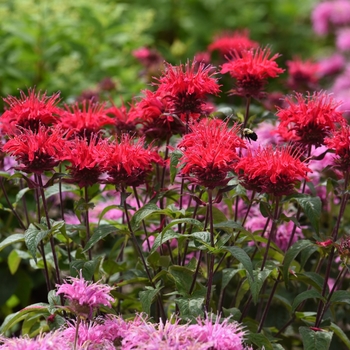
(249, 134)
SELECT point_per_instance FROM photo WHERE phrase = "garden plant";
(206, 209)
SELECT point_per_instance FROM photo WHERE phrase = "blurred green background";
(72, 45)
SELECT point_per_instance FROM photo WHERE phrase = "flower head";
(232, 41)
(251, 69)
(29, 112)
(87, 120)
(36, 152)
(339, 141)
(85, 158)
(125, 119)
(271, 170)
(186, 87)
(343, 39)
(85, 296)
(209, 152)
(303, 75)
(128, 162)
(308, 120)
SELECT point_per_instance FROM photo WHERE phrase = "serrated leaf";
(259, 340)
(32, 237)
(291, 254)
(13, 261)
(100, 232)
(308, 294)
(162, 238)
(243, 258)
(340, 296)
(174, 161)
(142, 214)
(315, 340)
(312, 207)
(190, 308)
(183, 278)
(17, 237)
(147, 297)
(88, 267)
(258, 281)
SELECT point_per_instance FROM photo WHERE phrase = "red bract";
(308, 120)
(339, 141)
(303, 75)
(186, 87)
(271, 170)
(87, 120)
(128, 162)
(209, 152)
(156, 122)
(29, 112)
(125, 120)
(36, 152)
(230, 41)
(251, 69)
(86, 159)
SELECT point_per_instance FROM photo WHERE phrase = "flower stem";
(87, 221)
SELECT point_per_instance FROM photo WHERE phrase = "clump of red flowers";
(128, 162)
(303, 75)
(271, 170)
(86, 120)
(309, 119)
(209, 152)
(339, 141)
(186, 87)
(86, 158)
(125, 120)
(29, 112)
(251, 69)
(232, 41)
(36, 152)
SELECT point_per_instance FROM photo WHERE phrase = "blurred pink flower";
(331, 65)
(343, 39)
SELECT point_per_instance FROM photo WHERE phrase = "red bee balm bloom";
(227, 42)
(29, 112)
(187, 86)
(36, 152)
(128, 162)
(251, 68)
(339, 141)
(85, 121)
(270, 170)
(85, 158)
(309, 119)
(209, 152)
(125, 120)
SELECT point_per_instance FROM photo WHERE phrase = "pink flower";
(331, 65)
(320, 17)
(85, 296)
(343, 39)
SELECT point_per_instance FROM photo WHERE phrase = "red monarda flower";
(303, 75)
(128, 162)
(86, 159)
(157, 122)
(251, 69)
(36, 152)
(271, 170)
(230, 41)
(339, 141)
(186, 87)
(29, 112)
(209, 152)
(308, 120)
(125, 119)
(87, 120)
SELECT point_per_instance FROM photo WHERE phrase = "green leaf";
(340, 333)
(243, 258)
(142, 214)
(291, 254)
(188, 221)
(99, 233)
(17, 237)
(183, 278)
(20, 195)
(32, 237)
(340, 296)
(312, 207)
(55, 189)
(162, 238)
(13, 261)
(259, 340)
(230, 225)
(258, 281)
(308, 294)
(310, 279)
(227, 275)
(88, 267)
(147, 297)
(174, 161)
(190, 308)
(315, 340)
